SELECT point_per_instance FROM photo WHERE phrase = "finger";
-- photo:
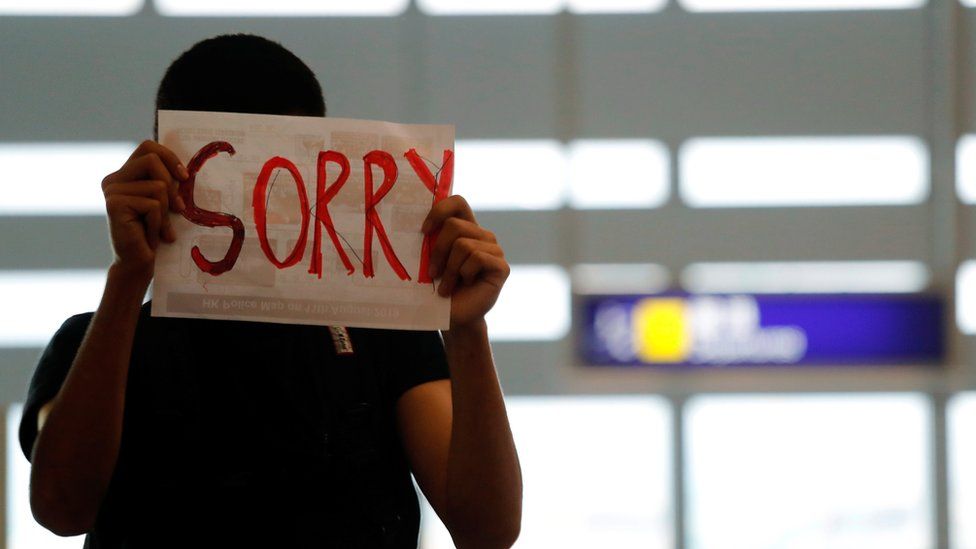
(151, 166)
(156, 190)
(460, 254)
(170, 163)
(481, 265)
(153, 217)
(150, 211)
(453, 229)
(452, 206)
(169, 158)
(149, 188)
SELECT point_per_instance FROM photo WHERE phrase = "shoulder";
(72, 330)
(407, 338)
(403, 359)
(398, 345)
(52, 368)
(74, 326)
(61, 350)
(66, 340)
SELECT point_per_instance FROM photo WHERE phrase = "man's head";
(240, 73)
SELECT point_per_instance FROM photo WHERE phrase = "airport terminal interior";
(742, 304)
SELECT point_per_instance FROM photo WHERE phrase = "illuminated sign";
(717, 330)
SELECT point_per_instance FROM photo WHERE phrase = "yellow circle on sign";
(661, 331)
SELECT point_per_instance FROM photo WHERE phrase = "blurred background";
(743, 290)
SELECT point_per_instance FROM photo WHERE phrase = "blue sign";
(726, 330)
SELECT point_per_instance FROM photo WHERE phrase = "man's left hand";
(467, 258)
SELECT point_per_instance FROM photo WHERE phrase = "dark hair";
(240, 73)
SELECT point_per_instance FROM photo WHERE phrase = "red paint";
(385, 161)
(440, 188)
(260, 211)
(438, 184)
(324, 195)
(206, 218)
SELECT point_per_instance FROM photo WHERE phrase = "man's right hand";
(138, 199)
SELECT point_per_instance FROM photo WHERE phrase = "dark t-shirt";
(253, 434)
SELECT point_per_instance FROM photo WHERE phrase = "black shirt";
(254, 434)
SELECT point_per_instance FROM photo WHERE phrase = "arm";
(456, 432)
(80, 429)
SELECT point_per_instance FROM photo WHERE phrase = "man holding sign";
(280, 393)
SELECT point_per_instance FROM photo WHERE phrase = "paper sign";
(303, 220)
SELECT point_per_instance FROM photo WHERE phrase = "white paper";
(255, 288)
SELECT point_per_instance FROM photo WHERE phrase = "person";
(164, 432)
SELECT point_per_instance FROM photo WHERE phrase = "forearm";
(484, 481)
(77, 447)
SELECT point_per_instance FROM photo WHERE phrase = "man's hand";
(468, 259)
(138, 199)
(456, 432)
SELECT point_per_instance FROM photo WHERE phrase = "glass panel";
(490, 7)
(33, 191)
(961, 413)
(596, 473)
(280, 8)
(511, 175)
(803, 171)
(620, 278)
(533, 305)
(966, 297)
(807, 277)
(70, 7)
(966, 166)
(616, 6)
(798, 5)
(848, 471)
(618, 173)
(37, 302)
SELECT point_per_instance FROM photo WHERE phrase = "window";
(966, 166)
(33, 191)
(808, 471)
(798, 5)
(961, 423)
(807, 277)
(37, 302)
(490, 7)
(966, 297)
(511, 175)
(533, 305)
(596, 473)
(618, 173)
(620, 278)
(280, 8)
(70, 7)
(803, 171)
(616, 6)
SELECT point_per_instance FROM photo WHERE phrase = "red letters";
(438, 184)
(440, 188)
(205, 218)
(385, 161)
(260, 211)
(323, 196)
